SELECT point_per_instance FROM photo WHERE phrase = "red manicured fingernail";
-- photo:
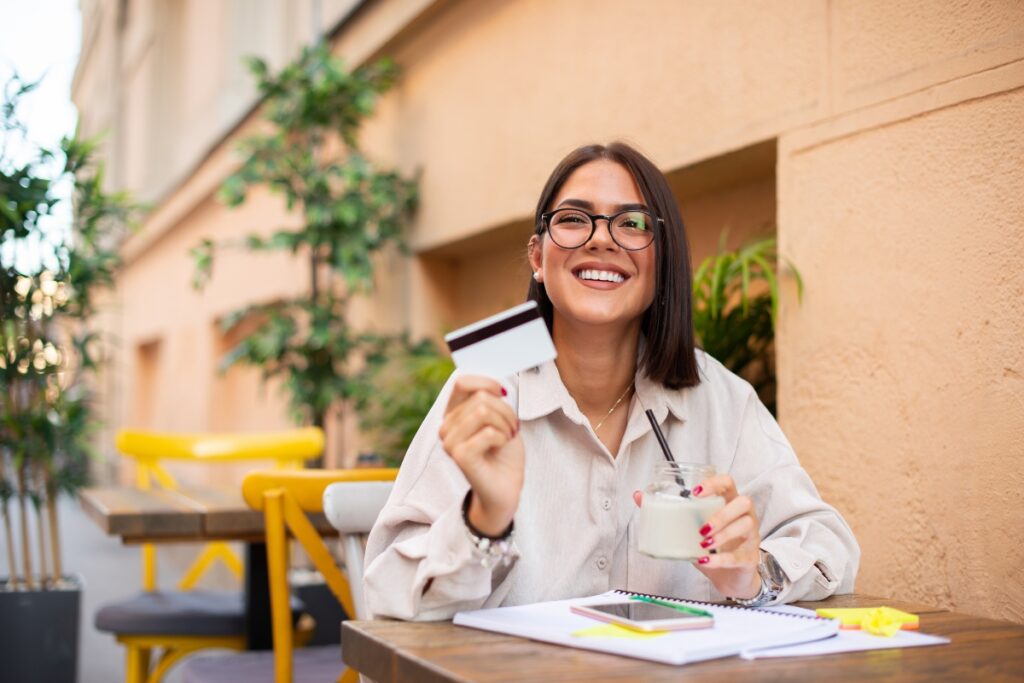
(503, 392)
(707, 543)
(704, 530)
(704, 560)
(697, 490)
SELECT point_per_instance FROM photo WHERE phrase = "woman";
(611, 274)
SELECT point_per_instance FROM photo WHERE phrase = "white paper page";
(791, 609)
(734, 629)
(848, 641)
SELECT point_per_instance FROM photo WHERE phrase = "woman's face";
(598, 187)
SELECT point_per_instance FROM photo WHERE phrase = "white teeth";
(604, 275)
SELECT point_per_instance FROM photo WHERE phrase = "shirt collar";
(541, 391)
(654, 396)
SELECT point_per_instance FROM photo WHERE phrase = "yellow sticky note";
(616, 631)
(856, 617)
(878, 622)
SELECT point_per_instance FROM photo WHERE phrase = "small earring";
(536, 275)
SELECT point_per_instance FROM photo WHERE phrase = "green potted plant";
(53, 262)
(398, 394)
(351, 210)
(735, 306)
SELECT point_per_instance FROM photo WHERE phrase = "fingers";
(477, 421)
(476, 434)
(479, 410)
(466, 453)
(466, 386)
(717, 485)
(732, 525)
(744, 557)
(735, 534)
(731, 536)
(638, 498)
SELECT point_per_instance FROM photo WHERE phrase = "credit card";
(503, 344)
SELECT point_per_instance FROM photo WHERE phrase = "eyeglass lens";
(571, 228)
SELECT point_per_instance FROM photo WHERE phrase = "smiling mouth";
(600, 275)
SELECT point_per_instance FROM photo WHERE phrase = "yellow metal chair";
(286, 498)
(183, 621)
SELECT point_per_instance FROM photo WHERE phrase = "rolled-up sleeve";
(809, 538)
(420, 562)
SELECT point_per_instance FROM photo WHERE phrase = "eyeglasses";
(572, 228)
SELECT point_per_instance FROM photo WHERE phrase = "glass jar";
(671, 517)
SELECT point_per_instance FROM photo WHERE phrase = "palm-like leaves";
(735, 305)
(401, 388)
(47, 350)
(351, 210)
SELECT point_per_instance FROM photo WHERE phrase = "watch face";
(772, 574)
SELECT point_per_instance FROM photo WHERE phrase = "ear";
(533, 252)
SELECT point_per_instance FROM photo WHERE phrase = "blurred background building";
(881, 141)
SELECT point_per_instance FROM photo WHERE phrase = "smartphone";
(644, 616)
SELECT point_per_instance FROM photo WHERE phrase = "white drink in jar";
(670, 523)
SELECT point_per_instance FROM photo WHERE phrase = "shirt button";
(602, 563)
(606, 504)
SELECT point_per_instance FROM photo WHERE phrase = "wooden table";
(195, 514)
(386, 651)
(190, 514)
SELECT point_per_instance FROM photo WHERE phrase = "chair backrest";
(285, 497)
(288, 448)
(352, 507)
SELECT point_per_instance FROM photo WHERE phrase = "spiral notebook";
(737, 630)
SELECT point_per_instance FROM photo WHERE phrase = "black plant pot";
(40, 632)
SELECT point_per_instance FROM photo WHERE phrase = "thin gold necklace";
(616, 405)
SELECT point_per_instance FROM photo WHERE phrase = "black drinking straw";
(685, 493)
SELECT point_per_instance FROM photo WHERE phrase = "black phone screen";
(643, 611)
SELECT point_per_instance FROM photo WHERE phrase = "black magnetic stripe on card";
(494, 328)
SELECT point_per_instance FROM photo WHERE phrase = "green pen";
(665, 603)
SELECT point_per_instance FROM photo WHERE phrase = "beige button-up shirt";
(576, 526)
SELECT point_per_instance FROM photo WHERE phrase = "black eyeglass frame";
(546, 225)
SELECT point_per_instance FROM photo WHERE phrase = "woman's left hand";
(734, 534)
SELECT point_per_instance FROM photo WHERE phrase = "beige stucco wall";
(902, 373)
(883, 139)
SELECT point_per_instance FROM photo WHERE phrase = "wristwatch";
(772, 582)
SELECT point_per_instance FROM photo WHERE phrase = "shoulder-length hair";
(668, 355)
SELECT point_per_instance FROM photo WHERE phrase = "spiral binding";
(716, 605)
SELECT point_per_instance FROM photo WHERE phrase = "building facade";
(881, 141)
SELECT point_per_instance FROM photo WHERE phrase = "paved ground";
(111, 571)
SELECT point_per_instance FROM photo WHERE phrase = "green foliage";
(351, 210)
(50, 276)
(398, 395)
(735, 304)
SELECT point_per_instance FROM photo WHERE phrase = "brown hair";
(667, 325)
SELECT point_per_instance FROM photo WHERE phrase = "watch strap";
(772, 582)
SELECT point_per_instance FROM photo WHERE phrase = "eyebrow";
(589, 206)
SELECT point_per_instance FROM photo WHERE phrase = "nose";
(602, 238)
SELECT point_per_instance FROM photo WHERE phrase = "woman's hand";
(733, 533)
(480, 432)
